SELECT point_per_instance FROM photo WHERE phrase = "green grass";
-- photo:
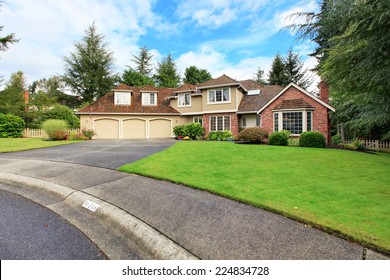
(344, 192)
(22, 144)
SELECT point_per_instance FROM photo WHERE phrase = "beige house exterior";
(218, 104)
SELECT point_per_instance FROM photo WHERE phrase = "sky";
(232, 37)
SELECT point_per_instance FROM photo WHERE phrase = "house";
(218, 104)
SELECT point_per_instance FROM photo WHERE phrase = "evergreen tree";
(259, 77)
(88, 69)
(277, 74)
(143, 62)
(295, 71)
(7, 40)
(166, 73)
(12, 97)
(133, 78)
(194, 75)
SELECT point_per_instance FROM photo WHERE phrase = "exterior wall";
(233, 122)
(320, 113)
(196, 105)
(250, 121)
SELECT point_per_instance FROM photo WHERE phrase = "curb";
(154, 242)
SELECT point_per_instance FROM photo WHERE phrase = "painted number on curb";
(92, 206)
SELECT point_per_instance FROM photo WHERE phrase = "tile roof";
(251, 103)
(106, 104)
(292, 104)
(220, 81)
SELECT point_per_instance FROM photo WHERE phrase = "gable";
(302, 92)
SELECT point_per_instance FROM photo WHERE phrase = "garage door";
(160, 129)
(134, 129)
(107, 129)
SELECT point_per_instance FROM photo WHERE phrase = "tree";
(133, 78)
(7, 39)
(277, 74)
(166, 73)
(12, 97)
(143, 62)
(88, 69)
(354, 59)
(295, 71)
(194, 75)
(259, 77)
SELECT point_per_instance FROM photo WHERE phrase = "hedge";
(11, 126)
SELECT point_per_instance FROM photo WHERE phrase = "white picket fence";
(375, 145)
(40, 133)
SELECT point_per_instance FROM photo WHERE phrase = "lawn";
(22, 144)
(344, 192)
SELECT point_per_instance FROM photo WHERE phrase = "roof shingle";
(252, 103)
(292, 104)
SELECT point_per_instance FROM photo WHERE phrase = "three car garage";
(132, 128)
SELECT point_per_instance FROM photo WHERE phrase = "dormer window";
(184, 99)
(122, 98)
(149, 98)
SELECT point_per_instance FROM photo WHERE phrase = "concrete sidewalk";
(163, 220)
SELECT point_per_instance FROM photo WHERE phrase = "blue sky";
(231, 37)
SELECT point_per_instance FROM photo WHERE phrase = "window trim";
(219, 102)
(149, 94)
(183, 96)
(116, 97)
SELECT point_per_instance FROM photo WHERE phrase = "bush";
(220, 135)
(278, 139)
(312, 139)
(336, 139)
(253, 135)
(55, 129)
(357, 145)
(192, 130)
(88, 133)
(60, 112)
(11, 126)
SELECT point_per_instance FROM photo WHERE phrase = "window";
(198, 120)
(184, 99)
(292, 121)
(258, 120)
(149, 99)
(296, 122)
(243, 121)
(122, 98)
(276, 121)
(308, 121)
(219, 95)
(219, 123)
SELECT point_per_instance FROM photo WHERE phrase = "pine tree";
(166, 73)
(143, 62)
(88, 69)
(277, 74)
(259, 77)
(295, 71)
(194, 75)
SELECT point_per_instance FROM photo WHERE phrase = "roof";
(292, 104)
(253, 103)
(250, 85)
(220, 81)
(106, 104)
(185, 88)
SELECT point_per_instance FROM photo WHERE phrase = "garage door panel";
(135, 129)
(160, 128)
(107, 129)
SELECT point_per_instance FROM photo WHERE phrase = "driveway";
(99, 153)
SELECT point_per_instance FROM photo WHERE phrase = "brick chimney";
(26, 99)
(324, 91)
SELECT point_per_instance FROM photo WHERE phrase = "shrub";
(220, 135)
(88, 133)
(253, 135)
(60, 112)
(192, 130)
(278, 139)
(357, 144)
(336, 139)
(55, 129)
(11, 126)
(312, 139)
(286, 132)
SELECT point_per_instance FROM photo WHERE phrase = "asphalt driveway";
(99, 153)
